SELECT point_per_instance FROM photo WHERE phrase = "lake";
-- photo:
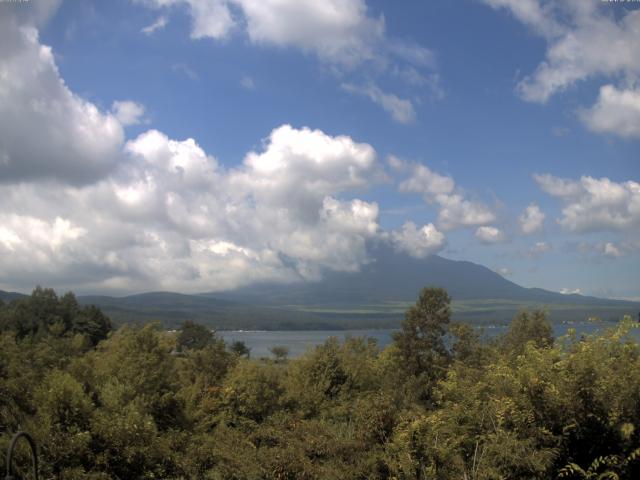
(300, 340)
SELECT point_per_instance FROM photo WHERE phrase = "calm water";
(299, 341)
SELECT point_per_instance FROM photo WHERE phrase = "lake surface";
(300, 340)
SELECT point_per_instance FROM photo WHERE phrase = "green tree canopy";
(279, 352)
(439, 402)
(194, 336)
(240, 348)
(528, 327)
(420, 342)
(44, 314)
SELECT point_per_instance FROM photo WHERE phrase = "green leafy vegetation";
(140, 402)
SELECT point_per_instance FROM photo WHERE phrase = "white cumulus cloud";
(335, 30)
(170, 217)
(616, 112)
(595, 204)
(531, 220)
(455, 210)
(339, 31)
(418, 242)
(490, 235)
(612, 250)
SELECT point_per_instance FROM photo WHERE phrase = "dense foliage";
(140, 402)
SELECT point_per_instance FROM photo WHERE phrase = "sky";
(202, 145)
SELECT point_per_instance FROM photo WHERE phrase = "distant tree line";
(44, 314)
(438, 403)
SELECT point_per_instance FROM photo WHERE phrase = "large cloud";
(298, 168)
(170, 217)
(47, 131)
(595, 204)
(81, 208)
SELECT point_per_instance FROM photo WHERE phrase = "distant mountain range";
(376, 296)
(394, 277)
(10, 296)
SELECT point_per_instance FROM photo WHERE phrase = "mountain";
(159, 300)
(396, 277)
(381, 292)
(10, 296)
(376, 296)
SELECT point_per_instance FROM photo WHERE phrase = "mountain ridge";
(376, 296)
(398, 277)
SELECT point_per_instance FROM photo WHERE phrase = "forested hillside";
(143, 403)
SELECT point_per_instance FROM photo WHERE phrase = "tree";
(44, 314)
(200, 373)
(36, 315)
(63, 422)
(420, 343)
(467, 346)
(528, 327)
(240, 348)
(91, 322)
(280, 353)
(253, 390)
(194, 336)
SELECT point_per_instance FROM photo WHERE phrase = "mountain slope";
(396, 277)
(10, 296)
(173, 308)
(159, 300)
(377, 296)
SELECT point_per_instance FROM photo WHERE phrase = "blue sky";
(317, 129)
